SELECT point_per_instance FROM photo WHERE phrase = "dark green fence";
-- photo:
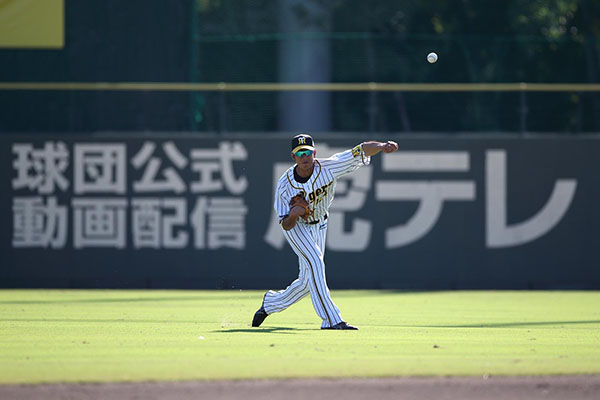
(344, 41)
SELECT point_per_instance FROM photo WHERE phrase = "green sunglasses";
(301, 153)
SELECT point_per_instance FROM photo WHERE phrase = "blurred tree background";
(489, 41)
(492, 41)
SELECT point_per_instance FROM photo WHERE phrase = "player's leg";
(319, 233)
(304, 243)
(319, 236)
(277, 301)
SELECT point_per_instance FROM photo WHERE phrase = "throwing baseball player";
(303, 196)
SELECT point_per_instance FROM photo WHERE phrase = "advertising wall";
(168, 211)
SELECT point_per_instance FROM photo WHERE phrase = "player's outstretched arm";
(372, 148)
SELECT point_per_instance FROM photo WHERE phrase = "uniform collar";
(301, 179)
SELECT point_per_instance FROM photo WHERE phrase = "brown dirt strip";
(582, 387)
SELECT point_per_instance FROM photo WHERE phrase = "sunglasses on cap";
(301, 153)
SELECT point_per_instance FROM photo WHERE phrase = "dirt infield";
(493, 388)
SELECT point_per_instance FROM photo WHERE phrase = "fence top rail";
(279, 87)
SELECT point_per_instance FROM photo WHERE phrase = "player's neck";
(304, 173)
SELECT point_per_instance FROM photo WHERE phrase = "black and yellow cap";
(302, 142)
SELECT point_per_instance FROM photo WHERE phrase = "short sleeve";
(347, 161)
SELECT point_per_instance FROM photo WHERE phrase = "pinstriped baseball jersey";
(320, 187)
(307, 238)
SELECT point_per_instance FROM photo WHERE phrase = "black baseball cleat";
(259, 316)
(343, 326)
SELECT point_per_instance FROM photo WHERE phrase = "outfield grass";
(95, 336)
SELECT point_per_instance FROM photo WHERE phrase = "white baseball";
(432, 57)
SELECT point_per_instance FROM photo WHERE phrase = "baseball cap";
(302, 142)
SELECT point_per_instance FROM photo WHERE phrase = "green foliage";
(387, 40)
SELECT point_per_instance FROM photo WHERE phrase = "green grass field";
(98, 336)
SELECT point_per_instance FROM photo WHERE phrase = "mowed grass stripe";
(114, 335)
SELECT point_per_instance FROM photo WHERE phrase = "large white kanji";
(100, 168)
(99, 222)
(498, 232)
(146, 222)
(155, 222)
(39, 224)
(170, 180)
(215, 168)
(430, 195)
(40, 169)
(219, 222)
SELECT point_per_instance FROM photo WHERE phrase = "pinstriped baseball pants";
(308, 242)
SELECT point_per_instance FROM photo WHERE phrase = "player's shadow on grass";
(271, 329)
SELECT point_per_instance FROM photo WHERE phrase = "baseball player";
(303, 196)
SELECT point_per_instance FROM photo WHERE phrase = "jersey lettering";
(317, 195)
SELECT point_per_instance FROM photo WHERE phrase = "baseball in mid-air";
(432, 57)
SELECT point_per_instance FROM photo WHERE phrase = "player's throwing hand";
(390, 146)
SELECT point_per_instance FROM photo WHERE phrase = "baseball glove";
(299, 201)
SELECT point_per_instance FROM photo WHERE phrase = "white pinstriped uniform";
(308, 240)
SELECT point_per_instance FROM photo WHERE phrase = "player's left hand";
(390, 146)
(299, 207)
